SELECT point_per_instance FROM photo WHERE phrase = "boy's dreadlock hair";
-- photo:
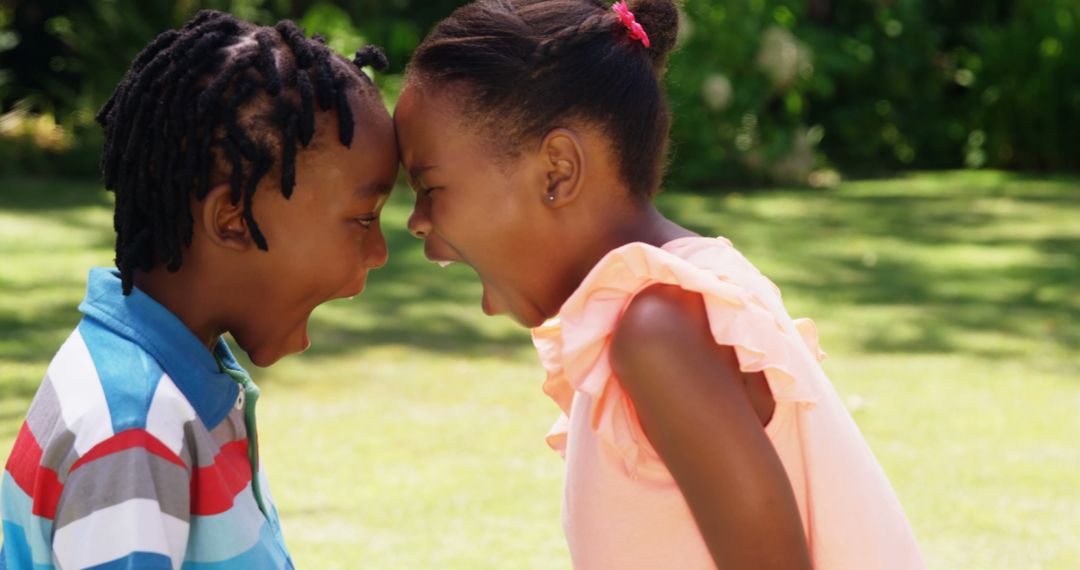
(216, 101)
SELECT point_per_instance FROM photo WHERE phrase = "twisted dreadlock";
(215, 101)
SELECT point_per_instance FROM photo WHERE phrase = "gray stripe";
(47, 424)
(193, 443)
(129, 474)
(44, 412)
(201, 447)
(230, 429)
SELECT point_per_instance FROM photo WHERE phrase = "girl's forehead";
(424, 125)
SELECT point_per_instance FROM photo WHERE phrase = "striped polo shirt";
(135, 451)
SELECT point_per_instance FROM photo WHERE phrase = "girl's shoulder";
(742, 307)
(696, 264)
(689, 285)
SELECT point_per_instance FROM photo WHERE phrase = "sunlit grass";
(411, 435)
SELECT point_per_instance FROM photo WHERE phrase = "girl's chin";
(528, 319)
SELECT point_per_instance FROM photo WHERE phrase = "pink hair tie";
(628, 20)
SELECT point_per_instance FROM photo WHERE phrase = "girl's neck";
(646, 225)
(639, 222)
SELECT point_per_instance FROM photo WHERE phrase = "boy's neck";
(186, 298)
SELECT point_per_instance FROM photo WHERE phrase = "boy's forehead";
(378, 189)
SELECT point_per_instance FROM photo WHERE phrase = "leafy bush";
(769, 90)
(762, 90)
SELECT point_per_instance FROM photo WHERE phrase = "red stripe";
(214, 487)
(128, 439)
(25, 459)
(39, 482)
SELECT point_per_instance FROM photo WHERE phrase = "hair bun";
(660, 18)
(373, 56)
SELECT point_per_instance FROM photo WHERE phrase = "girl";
(698, 427)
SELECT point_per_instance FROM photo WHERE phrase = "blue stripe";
(127, 373)
(16, 548)
(265, 554)
(165, 337)
(213, 538)
(137, 561)
(15, 551)
(34, 532)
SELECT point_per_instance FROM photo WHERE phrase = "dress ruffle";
(744, 312)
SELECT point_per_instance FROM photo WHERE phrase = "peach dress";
(621, 507)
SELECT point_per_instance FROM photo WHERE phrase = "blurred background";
(765, 91)
(905, 170)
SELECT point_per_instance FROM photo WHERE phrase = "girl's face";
(487, 213)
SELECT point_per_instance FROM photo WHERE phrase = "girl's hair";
(525, 66)
(218, 100)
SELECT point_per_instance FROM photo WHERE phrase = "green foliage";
(1026, 88)
(62, 59)
(768, 90)
(763, 90)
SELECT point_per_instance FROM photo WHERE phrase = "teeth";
(444, 263)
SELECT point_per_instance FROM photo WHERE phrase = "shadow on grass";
(913, 245)
(415, 303)
(974, 254)
(409, 302)
(39, 196)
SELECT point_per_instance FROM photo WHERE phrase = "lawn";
(411, 434)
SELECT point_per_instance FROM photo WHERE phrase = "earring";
(550, 197)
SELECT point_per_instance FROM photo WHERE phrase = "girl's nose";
(419, 222)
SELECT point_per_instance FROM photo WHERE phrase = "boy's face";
(323, 239)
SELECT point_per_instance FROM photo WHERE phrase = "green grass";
(411, 435)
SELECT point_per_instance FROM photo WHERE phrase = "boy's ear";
(222, 220)
(562, 159)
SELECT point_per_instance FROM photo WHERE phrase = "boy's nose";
(377, 253)
(419, 222)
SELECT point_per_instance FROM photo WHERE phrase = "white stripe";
(169, 411)
(137, 525)
(82, 399)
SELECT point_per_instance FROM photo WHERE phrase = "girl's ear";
(562, 158)
(222, 221)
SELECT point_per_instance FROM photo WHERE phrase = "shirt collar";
(186, 360)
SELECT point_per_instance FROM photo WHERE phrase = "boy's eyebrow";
(377, 188)
(416, 171)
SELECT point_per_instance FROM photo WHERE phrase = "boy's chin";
(269, 353)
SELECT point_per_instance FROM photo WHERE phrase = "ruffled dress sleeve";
(744, 310)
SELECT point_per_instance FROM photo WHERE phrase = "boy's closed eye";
(366, 221)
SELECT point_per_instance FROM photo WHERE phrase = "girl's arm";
(691, 400)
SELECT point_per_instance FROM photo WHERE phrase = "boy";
(250, 165)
